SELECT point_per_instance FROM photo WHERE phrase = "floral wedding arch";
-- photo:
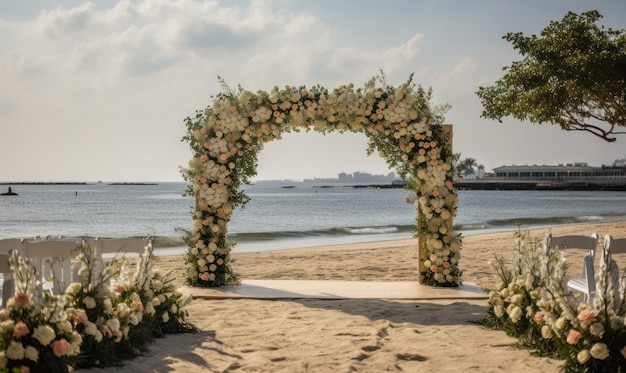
(400, 124)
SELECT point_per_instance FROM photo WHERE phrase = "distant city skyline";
(100, 90)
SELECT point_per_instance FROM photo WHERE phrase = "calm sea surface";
(283, 215)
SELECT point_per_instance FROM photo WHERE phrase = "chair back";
(611, 247)
(122, 245)
(7, 280)
(8, 244)
(583, 242)
(52, 261)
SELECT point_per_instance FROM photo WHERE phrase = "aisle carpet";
(297, 289)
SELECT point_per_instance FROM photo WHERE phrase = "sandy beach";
(354, 335)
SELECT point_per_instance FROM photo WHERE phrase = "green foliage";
(572, 75)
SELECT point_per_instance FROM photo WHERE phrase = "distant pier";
(482, 184)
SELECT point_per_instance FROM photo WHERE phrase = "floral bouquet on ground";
(100, 320)
(534, 304)
(37, 334)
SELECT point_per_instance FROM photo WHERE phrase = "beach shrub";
(589, 336)
(106, 317)
(400, 123)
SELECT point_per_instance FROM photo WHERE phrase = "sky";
(99, 90)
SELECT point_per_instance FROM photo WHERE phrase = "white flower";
(91, 329)
(599, 351)
(44, 334)
(108, 306)
(517, 298)
(31, 353)
(560, 323)
(113, 324)
(515, 314)
(597, 329)
(546, 332)
(7, 325)
(583, 356)
(73, 288)
(90, 303)
(166, 317)
(65, 327)
(15, 351)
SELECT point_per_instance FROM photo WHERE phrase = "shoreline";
(382, 239)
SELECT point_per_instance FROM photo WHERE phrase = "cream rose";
(44, 334)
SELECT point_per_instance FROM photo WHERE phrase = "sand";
(354, 335)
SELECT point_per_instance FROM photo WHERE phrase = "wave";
(539, 221)
(330, 232)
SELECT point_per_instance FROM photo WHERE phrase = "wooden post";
(421, 253)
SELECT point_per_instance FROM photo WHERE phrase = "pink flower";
(106, 331)
(81, 317)
(538, 317)
(204, 276)
(434, 268)
(120, 288)
(220, 261)
(24, 369)
(21, 299)
(60, 347)
(138, 306)
(623, 351)
(20, 329)
(574, 336)
(586, 316)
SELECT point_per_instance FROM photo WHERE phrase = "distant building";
(579, 171)
(358, 177)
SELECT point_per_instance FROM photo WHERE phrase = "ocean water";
(283, 215)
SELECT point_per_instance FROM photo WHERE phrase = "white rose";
(15, 351)
(546, 332)
(65, 327)
(166, 317)
(174, 308)
(31, 353)
(44, 334)
(599, 351)
(560, 323)
(583, 356)
(90, 303)
(91, 329)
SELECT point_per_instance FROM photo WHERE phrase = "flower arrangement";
(102, 319)
(398, 121)
(532, 302)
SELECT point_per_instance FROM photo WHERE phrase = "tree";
(468, 166)
(573, 75)
(481, 170)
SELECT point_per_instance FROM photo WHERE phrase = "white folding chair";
(52, 260)
(111, 247)
(7, 245)
(7, 283)
(587, 283)
(122, 245)
(611, 247)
